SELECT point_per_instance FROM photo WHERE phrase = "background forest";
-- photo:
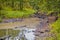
(24, 8)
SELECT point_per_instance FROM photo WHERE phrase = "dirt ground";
(29, 22)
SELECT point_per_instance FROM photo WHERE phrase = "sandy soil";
(29, 22)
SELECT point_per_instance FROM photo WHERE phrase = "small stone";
(41, 32)
(47, 31)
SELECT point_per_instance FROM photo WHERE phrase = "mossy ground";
(4, 32)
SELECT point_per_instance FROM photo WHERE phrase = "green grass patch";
(55, 30)
(17, 14)
(56, 25)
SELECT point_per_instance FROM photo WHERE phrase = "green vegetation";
(4, 32)
(16, 14)
(6, 14)
(24, 8)
(55, 30)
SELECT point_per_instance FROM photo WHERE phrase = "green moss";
(0, 20)
(4, 32)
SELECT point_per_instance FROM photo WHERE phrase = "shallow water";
(27, 34)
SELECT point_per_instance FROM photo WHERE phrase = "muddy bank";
(30, 22)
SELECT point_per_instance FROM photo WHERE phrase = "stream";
(26, 33)
(29, 28)
(35, 28)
